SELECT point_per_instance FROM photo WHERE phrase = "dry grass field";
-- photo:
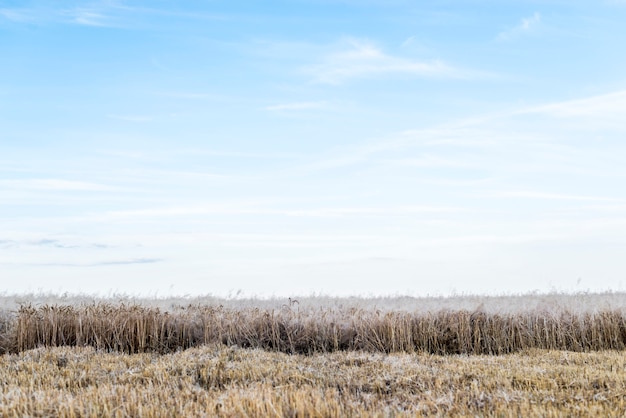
(550, 355)
(234, 382)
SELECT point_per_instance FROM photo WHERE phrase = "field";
(533, 355)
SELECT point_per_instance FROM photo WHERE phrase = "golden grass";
(138, 329)
(234, 382)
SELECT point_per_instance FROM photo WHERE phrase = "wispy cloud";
(54, 185)
(514, 143)
(131, 118)
(425, 161)
(295, 106)
(391, 151)
(258, 210)
(529, 194)
(18, 15)
(526, 26)
(88, 17)
(358, 211)
(50, 243)
(167, 212)
(236, 154)
(610, 106)
(103, 263)
(408, 41)
(192, 14)
(362, 59)
(102, 14)
(6, 243)
(359, 156)
(125, 262)
(188, 95)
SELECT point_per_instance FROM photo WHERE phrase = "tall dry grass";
(291, 329)
(6, 332)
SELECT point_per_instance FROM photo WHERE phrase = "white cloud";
(527, 25)
(362, 59)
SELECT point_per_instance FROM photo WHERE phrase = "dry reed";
(289, 329)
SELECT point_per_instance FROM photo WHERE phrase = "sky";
(303, 147)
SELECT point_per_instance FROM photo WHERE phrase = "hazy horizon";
(312, 147)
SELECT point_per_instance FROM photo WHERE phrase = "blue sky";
(298, 147)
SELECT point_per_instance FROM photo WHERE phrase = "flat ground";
(230, 381)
